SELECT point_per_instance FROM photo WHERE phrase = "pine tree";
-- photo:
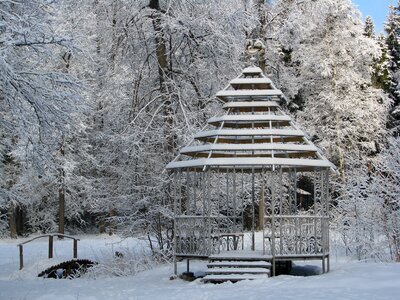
(369, 28)
(382, 76)
(392, 28)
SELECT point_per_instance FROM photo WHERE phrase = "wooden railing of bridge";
(51, 243)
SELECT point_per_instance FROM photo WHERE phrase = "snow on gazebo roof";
(255, 133)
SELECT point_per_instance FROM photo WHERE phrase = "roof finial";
(255, 47)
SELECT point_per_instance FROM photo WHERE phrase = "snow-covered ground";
(347, 279)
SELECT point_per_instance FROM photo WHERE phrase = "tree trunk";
(165, 77)
(20, 220)
(12, 219)
(112, 226)
(61, 196)
(61, 210)
(102, 223)
(11, 173)
(261, 9)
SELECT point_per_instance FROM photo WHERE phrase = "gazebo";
(248, 171)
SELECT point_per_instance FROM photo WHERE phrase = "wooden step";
(237, 271)
(239, 264)
(236, 257)
(231, 277)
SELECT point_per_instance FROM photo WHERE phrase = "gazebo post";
(234, 197)
(227, 192)
(242, 197)
(174, 183)
(208, 186)
(273, 221)
(219, 206)
(253, 215)
(194, 195)
(262, 214)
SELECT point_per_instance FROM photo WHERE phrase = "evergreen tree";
(392, 28)
(369, 28)
(382, 76)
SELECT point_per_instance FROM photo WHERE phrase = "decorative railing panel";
(202, 236)
(296, 235)
(192, 236)
(229, 242)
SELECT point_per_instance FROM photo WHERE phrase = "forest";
(97, 96)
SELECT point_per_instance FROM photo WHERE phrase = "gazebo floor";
(249, 255)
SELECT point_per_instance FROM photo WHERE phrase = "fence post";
(50, 246)
(75, 248)
(21, 257)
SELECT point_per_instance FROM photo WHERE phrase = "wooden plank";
(301, 256)
(240, 264)
(232, 277)
(75, 248)
(45, 235)
(252, 70)
(237, 271)
(251, 80)
(241, 256)
(50, 246)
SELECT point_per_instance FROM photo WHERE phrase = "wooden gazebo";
(245, 168)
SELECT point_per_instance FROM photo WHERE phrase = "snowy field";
(347, 279)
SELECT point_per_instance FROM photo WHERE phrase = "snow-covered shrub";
(367, 214)
(122, 261)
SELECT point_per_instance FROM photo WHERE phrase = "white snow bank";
(347, 280)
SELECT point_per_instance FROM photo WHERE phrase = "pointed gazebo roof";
(255, 133)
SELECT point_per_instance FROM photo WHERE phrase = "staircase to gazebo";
(237, 265)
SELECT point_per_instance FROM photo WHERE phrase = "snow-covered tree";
(369, 28)
(392, 28)
(374, 229)
(386, 185)
(150, 69)
(324, 62)
(39, 102)
(157, 66)
(382, 76)
(345, 115)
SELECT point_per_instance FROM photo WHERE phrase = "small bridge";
(51, 242)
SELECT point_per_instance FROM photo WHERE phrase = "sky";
(377, 9)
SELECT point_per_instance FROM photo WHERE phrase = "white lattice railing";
(296, 235)
(202, 236)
